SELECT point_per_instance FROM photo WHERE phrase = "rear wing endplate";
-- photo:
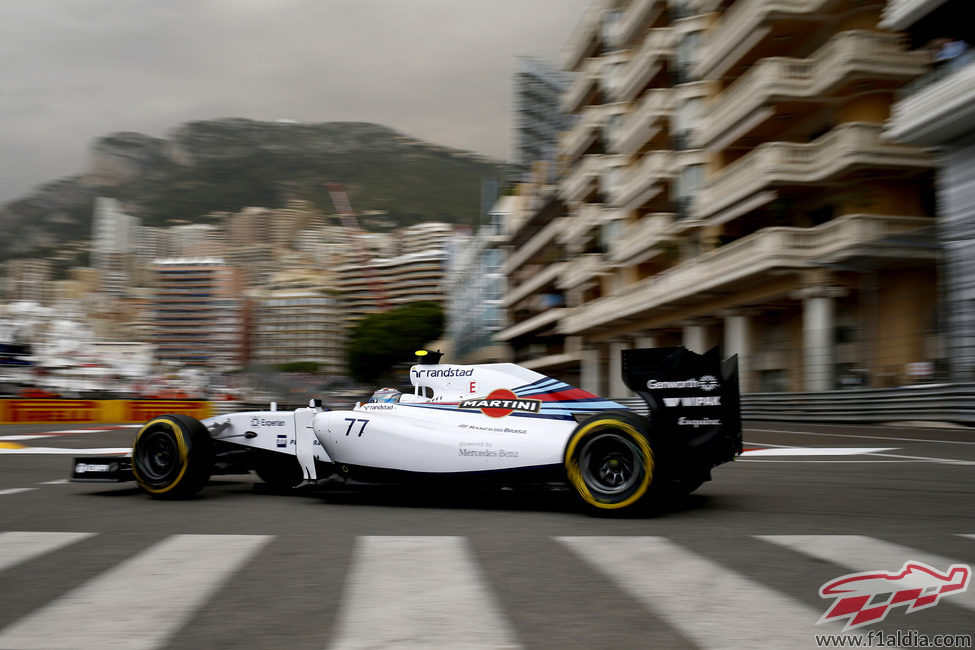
(693, 396)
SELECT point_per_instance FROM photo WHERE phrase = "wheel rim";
(158, 455)
(610, 463)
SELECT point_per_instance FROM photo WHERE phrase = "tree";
(380, 341)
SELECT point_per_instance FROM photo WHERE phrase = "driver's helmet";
(385, 395)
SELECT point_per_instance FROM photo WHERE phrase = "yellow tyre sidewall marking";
(575, 473)
(181, 448)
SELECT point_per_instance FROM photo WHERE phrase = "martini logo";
(866, 598)
(501, 402)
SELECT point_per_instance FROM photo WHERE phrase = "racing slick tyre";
(172, 457)
(609, 461)
(281, 472)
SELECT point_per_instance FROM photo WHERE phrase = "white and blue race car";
(498, 425)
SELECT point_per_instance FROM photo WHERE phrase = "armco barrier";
(954, 403)
(84, 411)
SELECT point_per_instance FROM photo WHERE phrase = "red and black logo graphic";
(501, 402)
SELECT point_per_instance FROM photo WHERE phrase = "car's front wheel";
(172, 457)
(609, 461)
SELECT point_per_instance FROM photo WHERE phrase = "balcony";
(542, 238)
(584, 40)
(641, 240)
(849, 57)
(941, 107)
(639, 15)
(583, 87)
(845, 148)
(582, 180)
(516, 294)
(642, 181)
(760, 255)
(628, 80)
(640, 126)
(746, 24)
(582, 269)
(586, 130)
(580, 222)
(547, 318)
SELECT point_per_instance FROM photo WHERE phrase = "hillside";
(228, 164)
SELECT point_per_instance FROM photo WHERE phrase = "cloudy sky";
(440, 70)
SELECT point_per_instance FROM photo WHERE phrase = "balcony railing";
(643, 180)
(586, 80)
(542, 238)
(638, 16)
(581, 269)
(583, 218)
(766, 251)
(865, 54)
(741, 22)
(583, 133)
(582, 179)
(516, 294)
(779, 163)
(655, 107)
(629, 79)
(641, 240)
(941, 108)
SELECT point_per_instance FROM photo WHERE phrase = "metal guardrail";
(952, 403)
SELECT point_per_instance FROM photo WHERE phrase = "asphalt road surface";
(739, 564)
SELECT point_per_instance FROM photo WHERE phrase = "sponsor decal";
(261, 422)
(500, 403)
(698, 422)
(866, 598)
(707, 400)
(66, 410)
(435, 373)
(81, 468)
(142, 410)
(707, 383)
(282, 441)
(484, 450)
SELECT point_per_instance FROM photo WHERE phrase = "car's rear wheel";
(609, 461)
(172, 457)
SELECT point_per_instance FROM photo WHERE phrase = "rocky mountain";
(228, 164)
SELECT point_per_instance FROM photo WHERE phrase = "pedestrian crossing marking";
(673, 583)
(862, 553)
(142, 602)
(429, 591)
(17, 546)
(418, 592)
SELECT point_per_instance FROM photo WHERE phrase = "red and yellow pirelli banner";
(81, 411)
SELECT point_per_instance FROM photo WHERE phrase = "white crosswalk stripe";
(860, 553)
(418, 592)
(168, 581)
(18, 546)
(675, 583)
(431, 591)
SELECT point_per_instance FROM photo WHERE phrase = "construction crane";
(347, 216)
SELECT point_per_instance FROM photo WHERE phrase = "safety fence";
(953, 403)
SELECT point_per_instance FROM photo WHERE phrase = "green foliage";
(380, 341)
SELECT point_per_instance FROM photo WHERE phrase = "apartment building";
(938, 110)
(114, 242)
(200, 316)
(296, 318)
(28, 279)
(381, 283)
(728, 181)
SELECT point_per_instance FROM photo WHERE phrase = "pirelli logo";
(29, 410)
(500, 403)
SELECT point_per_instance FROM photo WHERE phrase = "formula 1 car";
(498, 425)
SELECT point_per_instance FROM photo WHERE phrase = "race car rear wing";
(694, 401)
